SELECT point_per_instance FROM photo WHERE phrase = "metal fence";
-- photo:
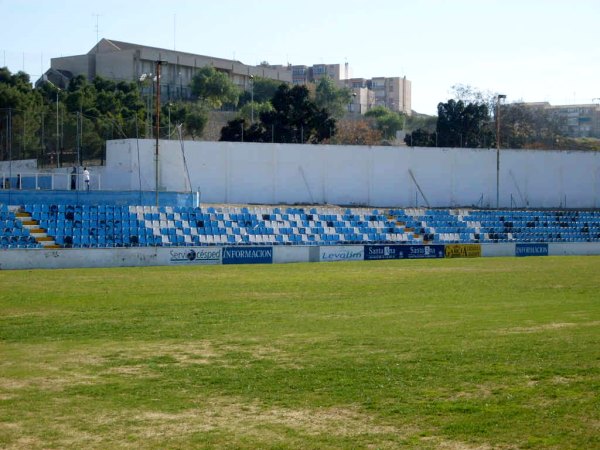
(48, 181)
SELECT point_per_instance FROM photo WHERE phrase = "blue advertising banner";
(531, 250)
(247, 255)
(375, 252)
(424, 251)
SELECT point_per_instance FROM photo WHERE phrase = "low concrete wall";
(199, 256)
(497, 250)
(79, 258)
(291, 254)
(22, 197)
(575, 248)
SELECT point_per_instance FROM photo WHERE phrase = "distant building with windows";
(393, 93)
(312, 74)
(123, 61)
(578, 121)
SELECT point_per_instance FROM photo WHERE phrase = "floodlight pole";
(252, 98)
(157, 125)
(45, 78)
(498, 98)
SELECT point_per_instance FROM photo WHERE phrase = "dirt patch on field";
(476, 392)
(56, 368)
(441, 444)
(248, 419)
(234, 419)
(190, 353)
(547, 327)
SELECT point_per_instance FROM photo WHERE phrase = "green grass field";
(495, 353)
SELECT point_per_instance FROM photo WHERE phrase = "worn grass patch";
(452, 354)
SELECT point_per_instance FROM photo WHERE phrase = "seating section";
(130, 226)
(13, 234)
(534, 226)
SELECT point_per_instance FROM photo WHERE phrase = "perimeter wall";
(201, 256)
(233, 172)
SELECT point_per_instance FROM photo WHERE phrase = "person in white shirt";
(86, 178)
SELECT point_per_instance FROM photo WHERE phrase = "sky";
(529, 50)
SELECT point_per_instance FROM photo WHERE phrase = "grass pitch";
(454, 354)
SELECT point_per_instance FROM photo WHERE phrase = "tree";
(195, 119)
(356, 132)
(239, 130)
(522, 125)
(422, 121)
(461, 125)
(420, 138)
(250, 109)
(214, 88)
(331, 98)
(293, 119)
(386, 121)
(525, 126)
(469, 94)
(262, 90)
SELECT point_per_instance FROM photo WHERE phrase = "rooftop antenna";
(97, 28)
(174, 30)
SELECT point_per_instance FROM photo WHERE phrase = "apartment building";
(311, 74)
(123, 61)
(578, 121)
(393, 93)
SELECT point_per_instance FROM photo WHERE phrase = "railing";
(48, 181)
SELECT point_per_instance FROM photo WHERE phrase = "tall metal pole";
(157, 125)
(252, 98)
(500, 96)
(57, 134)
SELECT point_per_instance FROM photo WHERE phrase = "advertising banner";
(463, 250)
(531, 250)
(247, 255)
(341, 253)
(423, 251)
(195, 255)
(377, 252)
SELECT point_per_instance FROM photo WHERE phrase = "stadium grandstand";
(43, 225)
(297, 203)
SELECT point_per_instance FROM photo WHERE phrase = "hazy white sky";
(531, 50)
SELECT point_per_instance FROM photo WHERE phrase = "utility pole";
(158, 63)
(499, 97)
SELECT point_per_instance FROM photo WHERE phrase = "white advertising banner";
(192, 255)
(342, 253)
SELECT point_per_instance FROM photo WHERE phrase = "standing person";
(74, 178)
(86, 178)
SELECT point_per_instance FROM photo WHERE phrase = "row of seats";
(536, 226)
(112, 225)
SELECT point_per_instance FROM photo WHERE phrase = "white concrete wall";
(228, 172)
(22, 165)
(504, 249)
(78, 258)
(202, 256)
(291, 254)
(574, 248)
